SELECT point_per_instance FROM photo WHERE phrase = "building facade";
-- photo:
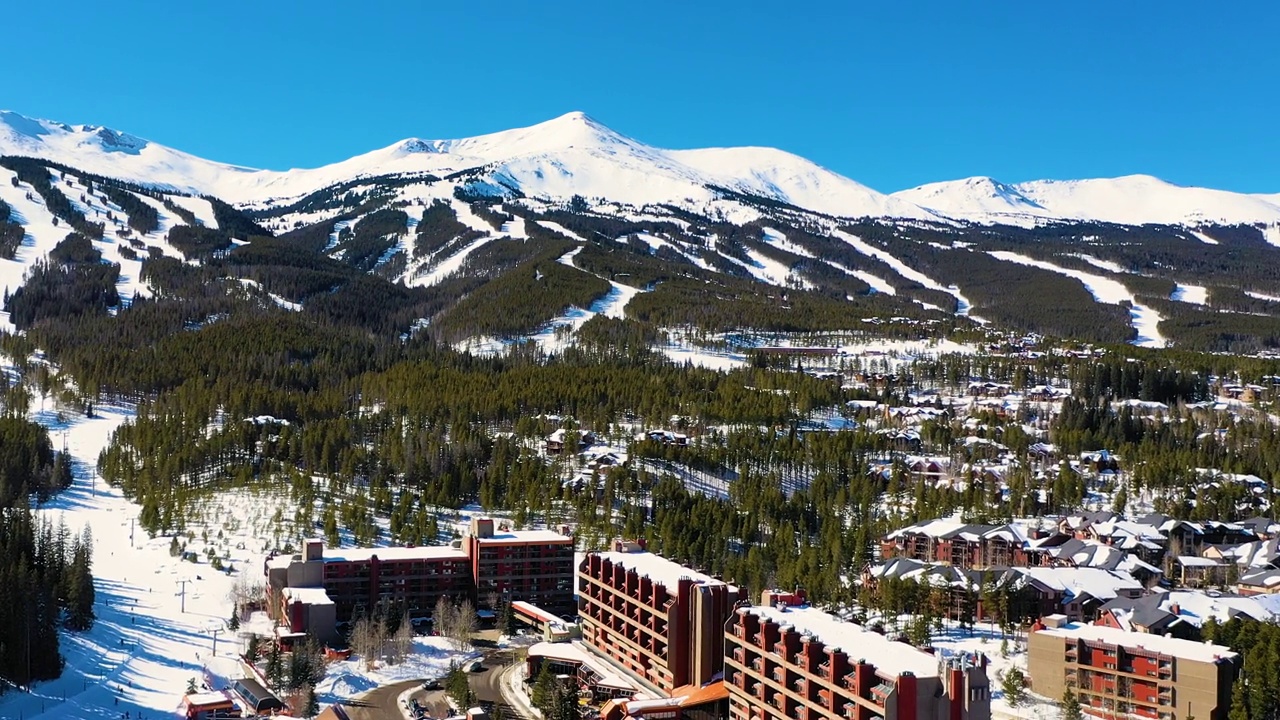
(799, 663)
(312, 591)
(535, 566)
(661, 622)
(1114, 671)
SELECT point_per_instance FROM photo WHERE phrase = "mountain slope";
(575, 155)
(1129, 200)
(569, 155)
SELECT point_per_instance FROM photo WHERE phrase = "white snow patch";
(201, 208)
(1101, 264)
(780, 241)
(1203, 238)
(286, 304)
(450, 265)
(1262, 296)
(1194, 294)
(558, 228)
(1271, 232)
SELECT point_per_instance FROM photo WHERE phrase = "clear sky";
(892, 94)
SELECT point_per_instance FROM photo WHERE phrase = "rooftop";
(208, 698)
(576, 652)
(528, 536)
(428, 552)
(658, 569)
(890, 657)
(1184, 649)
(308, 596)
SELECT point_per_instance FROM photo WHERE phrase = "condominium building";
(1117, 671)
(535, 566)
(324, 586)
(660, 622)
(314, 590)
(800, 663)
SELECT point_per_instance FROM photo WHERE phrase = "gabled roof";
(1080, 583)
(1263, 578)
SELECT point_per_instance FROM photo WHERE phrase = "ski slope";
(962, 304)
(1144, 319)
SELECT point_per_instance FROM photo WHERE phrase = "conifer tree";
(1071, 709)
(275, 670)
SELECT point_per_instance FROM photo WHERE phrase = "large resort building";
(1115, 672)
(800, 663)
(535, 566)
(660, 621)
(315, 590)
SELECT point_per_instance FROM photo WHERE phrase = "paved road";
(488, 687)
(380, 703)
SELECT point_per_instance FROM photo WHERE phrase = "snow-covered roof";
(932, 528)
(657, 568)
(890, 657)
(427, 552)
(1185, 649)
(529, 536)
(1094, 582)
(208, 698)
(1193, 561)
(308, 596)
(576, 651)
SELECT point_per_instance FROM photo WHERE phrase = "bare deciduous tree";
(368, 638)
(464, 624)
(402, 640)
(442, 617)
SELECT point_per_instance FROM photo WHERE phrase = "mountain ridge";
(573, 154)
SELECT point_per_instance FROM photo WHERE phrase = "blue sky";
(890, 94)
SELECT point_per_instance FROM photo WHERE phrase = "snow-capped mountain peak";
(573, 154)
(1130, 200)
(972, 196)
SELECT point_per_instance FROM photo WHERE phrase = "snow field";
(155, 612)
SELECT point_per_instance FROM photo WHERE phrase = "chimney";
(482, 527)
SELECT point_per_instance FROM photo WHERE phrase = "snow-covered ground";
(1262, 296)
(156, 612)
(1101, 264)
(984, 639)
(1194, 294)
(1105, 290)
(429, 658)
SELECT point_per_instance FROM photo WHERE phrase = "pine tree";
(1239, 701)
(233, 622)
(1071, 709)
(1014, 686)
(458, 687)
(275, 667)
(543, 687)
